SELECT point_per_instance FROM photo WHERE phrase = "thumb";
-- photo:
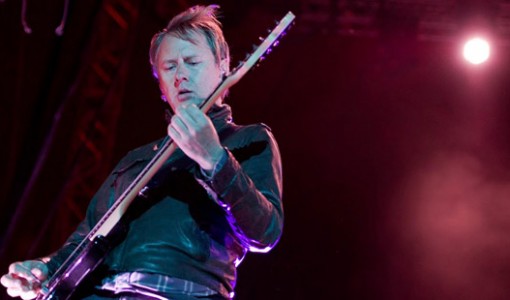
(37, 273)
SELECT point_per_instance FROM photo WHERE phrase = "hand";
(195, 134)
(25, 278)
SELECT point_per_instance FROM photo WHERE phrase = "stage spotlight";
(476, 51)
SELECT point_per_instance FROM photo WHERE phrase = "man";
(216, 198)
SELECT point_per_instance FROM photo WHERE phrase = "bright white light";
(476, 51)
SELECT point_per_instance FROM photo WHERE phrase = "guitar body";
(63, 285)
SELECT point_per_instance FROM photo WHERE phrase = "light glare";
(476, 51)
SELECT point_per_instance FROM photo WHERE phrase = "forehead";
(173, 47)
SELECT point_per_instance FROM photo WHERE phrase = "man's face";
(187, 71)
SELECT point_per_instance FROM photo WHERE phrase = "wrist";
(216, 162)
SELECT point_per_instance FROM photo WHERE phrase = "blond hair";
(197, 19)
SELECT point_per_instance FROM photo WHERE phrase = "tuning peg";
(276, 43)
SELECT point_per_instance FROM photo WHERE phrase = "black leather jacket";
(196, 228)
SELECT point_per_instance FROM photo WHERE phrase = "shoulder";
(247, 140)
(258, 131)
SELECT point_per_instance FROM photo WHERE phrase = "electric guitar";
(90, 253)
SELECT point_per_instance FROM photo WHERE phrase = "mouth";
(184, 95)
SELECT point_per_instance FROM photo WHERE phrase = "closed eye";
(169, 67)
(192, 61)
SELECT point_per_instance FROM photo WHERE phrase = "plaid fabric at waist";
(153, 285)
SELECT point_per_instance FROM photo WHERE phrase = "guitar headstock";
(257, 55)
(264, 48)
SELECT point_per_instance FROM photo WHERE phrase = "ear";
(162, 90)
(225, 66)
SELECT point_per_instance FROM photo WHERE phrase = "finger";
(179, 123)
(8, 281)
(38, 273)
(16, 283)
(26, 287)
(28, 295)
(195, 113)
(173, 134)
(24, 270)
(12, 267)
(190, 114)
(198, 116)
(178, 126)
(11, 282)
(36, 268)
(13, 292)
(19, 269)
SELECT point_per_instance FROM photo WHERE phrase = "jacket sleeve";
(249, 188)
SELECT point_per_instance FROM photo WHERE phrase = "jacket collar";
(221, 115)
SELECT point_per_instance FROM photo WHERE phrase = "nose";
(181, 74)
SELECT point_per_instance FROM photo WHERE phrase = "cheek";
(165, 84)
(162, 88)
(213, 78)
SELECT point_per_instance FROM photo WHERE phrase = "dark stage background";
(396, 152)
